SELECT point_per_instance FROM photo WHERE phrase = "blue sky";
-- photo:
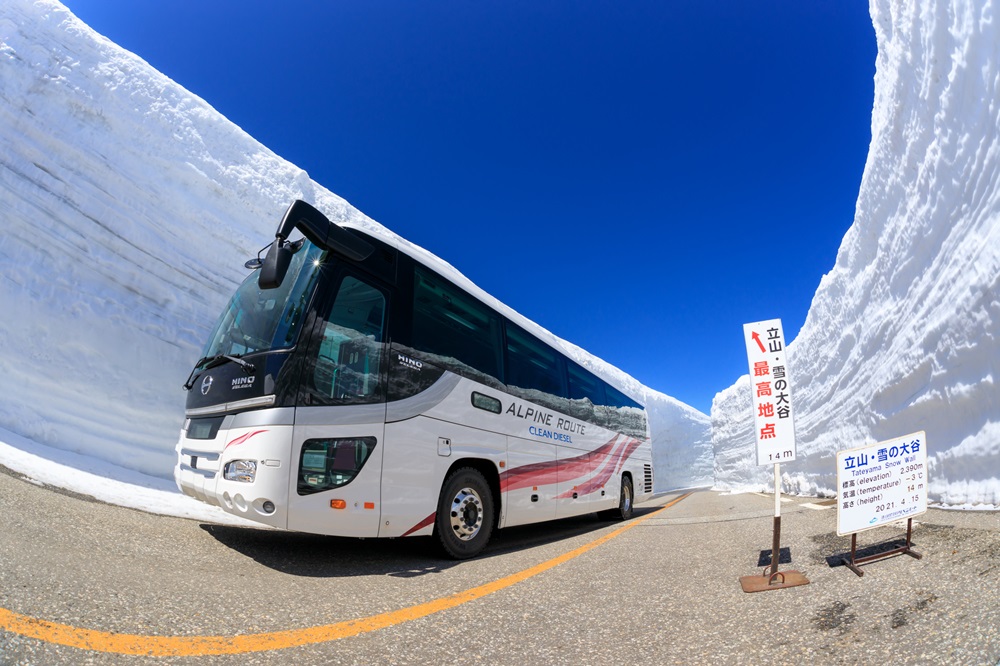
(641, 178)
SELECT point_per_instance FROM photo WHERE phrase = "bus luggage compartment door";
(530, 481)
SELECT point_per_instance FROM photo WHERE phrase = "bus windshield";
(259, 320)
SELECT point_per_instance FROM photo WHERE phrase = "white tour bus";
(349, 389)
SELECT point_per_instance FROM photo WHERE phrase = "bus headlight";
(244, 471)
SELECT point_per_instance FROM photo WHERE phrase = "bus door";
(336, 457)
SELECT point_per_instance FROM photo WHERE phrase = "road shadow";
(784, 556)
(840, 559)
(541, 534)
(317, 556)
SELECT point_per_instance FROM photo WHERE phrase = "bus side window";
(348, 366)
(459, 332)
(586, 392)
(534, 366)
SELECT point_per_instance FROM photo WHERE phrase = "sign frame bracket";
(906, 549)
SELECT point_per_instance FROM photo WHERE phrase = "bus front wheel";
(464, 521)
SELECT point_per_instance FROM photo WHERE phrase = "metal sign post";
(880, 484)
(775, 433)
(776, 538)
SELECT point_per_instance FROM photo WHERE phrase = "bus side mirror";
(275, 265)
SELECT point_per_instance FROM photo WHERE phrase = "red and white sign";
(770, 388)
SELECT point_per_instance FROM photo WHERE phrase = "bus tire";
(465, 516)
(626, 503)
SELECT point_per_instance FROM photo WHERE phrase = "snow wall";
(128, 207)
(904, 332)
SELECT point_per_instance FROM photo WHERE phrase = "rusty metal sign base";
(777, 581)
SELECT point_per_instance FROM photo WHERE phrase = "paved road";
(663, 590)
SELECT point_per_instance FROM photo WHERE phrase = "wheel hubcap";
(466, 514)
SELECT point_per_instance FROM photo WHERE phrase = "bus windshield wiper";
(214, 361)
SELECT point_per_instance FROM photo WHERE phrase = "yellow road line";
(189, 646)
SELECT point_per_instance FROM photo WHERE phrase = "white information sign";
(770, 388)
(881, 483)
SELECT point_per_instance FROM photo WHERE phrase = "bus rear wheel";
(464, 520)
(626, 503)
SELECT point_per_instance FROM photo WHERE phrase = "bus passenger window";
(586, 392)
(584, 385)
(348, 366)
(533, 365)
(461, 333)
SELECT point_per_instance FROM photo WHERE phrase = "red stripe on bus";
(551, 471)
(421, 525)
(243, 438)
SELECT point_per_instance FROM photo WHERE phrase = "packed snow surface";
(904, 332)
(129, 206)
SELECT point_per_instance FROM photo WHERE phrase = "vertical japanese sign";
(881, 483)
(772, 398)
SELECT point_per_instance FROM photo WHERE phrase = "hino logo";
(409, 362)
(206, 384)
(243, 382)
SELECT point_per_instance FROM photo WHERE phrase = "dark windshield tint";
(259, 320)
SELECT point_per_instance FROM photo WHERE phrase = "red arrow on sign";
(756, 338)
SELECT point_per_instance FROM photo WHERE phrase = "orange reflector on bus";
(338, 504)
(369, 505)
